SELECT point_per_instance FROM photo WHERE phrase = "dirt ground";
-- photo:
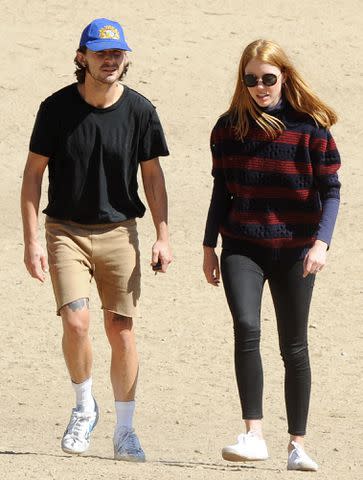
(184, 59)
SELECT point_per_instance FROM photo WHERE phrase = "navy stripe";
(327, 158)
(275, 151)
(275, 205)
(261, 179)
(272, 231)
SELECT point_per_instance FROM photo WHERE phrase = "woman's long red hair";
(296, 91)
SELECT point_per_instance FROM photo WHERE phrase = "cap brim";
(105, 44)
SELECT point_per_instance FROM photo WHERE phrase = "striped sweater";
(273, 196)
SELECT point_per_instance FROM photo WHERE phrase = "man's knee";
(75, 317)
(120, 330)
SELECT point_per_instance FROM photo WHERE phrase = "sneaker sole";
(234, 457)
(129, 459)
(302, 469)
(73, 452)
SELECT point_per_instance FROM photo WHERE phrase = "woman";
(275, 200)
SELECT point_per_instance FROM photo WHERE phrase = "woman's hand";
(211, 266)
(315, 259)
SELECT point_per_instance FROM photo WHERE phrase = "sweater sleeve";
(326, 163)
(220, 200)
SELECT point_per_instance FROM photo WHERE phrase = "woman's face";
(264, 95)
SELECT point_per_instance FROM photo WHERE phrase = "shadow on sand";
(168, 463)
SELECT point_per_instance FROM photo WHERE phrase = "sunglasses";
(268, 79)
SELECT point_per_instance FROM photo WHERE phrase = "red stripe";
(327, 169)
(294, 138)
(217, 162)
(287, 136)
(268, 165)
(273, 242)
(222, 133)
(270, 192)
(331, 144)
(318, 144)
(257, 134)
(261, 218)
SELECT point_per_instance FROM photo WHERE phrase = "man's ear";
(81, 58)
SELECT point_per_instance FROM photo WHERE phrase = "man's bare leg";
(77, 349)
(124, 358)
(124, 371)
(77, 352)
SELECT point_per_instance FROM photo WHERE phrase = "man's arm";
(155, 191)
(34, 256)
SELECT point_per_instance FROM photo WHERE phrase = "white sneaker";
(249, 447)
(299, 460)
(127, 446)
(76, 438)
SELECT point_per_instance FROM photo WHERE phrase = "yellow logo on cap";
(108, 31)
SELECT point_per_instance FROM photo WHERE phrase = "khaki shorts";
(107, 252)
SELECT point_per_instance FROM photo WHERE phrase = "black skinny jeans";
(243, 280)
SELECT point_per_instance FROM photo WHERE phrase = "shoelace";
(78, 426)
(247, 436)
(130, 439)
(300, 452)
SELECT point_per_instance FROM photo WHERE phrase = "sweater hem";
(252, 250)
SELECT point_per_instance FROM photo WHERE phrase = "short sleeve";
(43, 137)
(221, 199)
(152, 142)
(216, 141)
(326, 163)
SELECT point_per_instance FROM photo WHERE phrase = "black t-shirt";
(94, 154)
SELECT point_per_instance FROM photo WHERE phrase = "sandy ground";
(185, 60)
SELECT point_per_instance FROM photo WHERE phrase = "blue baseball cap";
(103, 34)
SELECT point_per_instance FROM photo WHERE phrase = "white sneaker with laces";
(299, 460)
(76, 438)
(250, 447)
(127, 446)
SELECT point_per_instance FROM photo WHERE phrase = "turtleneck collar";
(280, 105)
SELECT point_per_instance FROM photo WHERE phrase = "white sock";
(84, 398)
(124, 414)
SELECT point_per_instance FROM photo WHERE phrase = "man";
(93, 135)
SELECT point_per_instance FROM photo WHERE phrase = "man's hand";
(161, 256)
(211, 266)
(36, 261)
(315, 259)
(34, 257)
(155, 192)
